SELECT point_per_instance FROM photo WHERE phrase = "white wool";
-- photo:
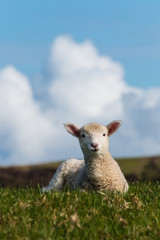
(98, 171)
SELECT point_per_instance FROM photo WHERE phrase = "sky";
(78, 61)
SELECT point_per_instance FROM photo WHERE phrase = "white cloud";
(82, 86)
(25, 130)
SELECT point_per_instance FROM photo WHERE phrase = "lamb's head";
(93, 137)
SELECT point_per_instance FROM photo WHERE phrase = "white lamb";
(98, 171)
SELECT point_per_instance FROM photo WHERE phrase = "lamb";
(98, 171)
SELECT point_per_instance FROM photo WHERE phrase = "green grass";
(29, 214)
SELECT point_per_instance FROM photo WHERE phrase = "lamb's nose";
(94, 144)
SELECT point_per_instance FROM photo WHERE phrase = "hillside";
(135, 169)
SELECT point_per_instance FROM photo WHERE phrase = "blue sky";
(127, 31)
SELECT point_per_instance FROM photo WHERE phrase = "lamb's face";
(93, 139)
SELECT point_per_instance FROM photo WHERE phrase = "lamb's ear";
(72, 129)
(113, 127)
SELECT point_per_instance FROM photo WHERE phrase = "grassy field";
(29, 214)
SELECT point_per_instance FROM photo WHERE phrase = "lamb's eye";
(104, 134)
(83, 135)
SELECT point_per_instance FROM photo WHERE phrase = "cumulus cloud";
(142, 117)
(80, 86)
(25, 130)
(84, 83)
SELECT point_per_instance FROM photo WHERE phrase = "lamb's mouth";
(95, 150)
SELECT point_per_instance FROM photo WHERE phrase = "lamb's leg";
(57, 180)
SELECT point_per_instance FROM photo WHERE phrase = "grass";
(29, 214)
